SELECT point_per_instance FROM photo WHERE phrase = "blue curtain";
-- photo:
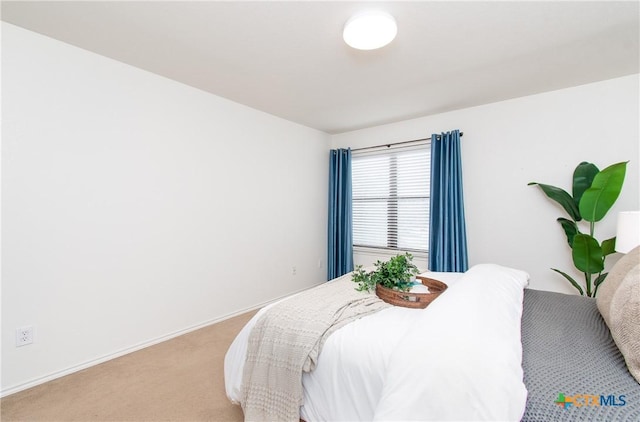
(340, 254)
(447, 230)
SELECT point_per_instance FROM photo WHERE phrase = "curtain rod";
(396, 143)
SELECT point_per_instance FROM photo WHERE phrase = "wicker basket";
(412, 300)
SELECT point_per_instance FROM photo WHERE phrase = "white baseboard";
(70, 370)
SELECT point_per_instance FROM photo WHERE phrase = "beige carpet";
(178, 380)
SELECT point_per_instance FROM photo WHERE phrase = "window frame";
(392, 245)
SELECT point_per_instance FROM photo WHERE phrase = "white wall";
(135, 208)
(536, 138)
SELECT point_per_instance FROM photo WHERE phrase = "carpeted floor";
(179, 380)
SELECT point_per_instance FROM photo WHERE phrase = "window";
(391, 198)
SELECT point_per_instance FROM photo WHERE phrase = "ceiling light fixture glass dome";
(370, 30)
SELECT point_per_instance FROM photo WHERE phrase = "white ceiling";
(288, 58)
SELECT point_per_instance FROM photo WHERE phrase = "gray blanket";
(568, 350)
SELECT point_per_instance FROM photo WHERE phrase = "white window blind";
(391, 198)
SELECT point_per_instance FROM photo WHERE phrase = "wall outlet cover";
(24, 336)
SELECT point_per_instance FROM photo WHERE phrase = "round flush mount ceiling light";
(370, 30)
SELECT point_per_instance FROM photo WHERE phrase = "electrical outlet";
(24, 336)
(294, 270)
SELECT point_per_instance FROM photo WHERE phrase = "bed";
(486, 349)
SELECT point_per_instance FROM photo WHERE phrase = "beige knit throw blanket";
(287, 340)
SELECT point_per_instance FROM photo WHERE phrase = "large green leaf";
(608, 246)
(561, 197)
(570, 229)
(582, 178)
(603, 193)
(587, 254)
(571, 280)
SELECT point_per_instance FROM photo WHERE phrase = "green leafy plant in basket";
(594, 193)
(397, 273)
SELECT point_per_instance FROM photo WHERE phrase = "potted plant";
(398, 273)
(594, 192)
(393, 279)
